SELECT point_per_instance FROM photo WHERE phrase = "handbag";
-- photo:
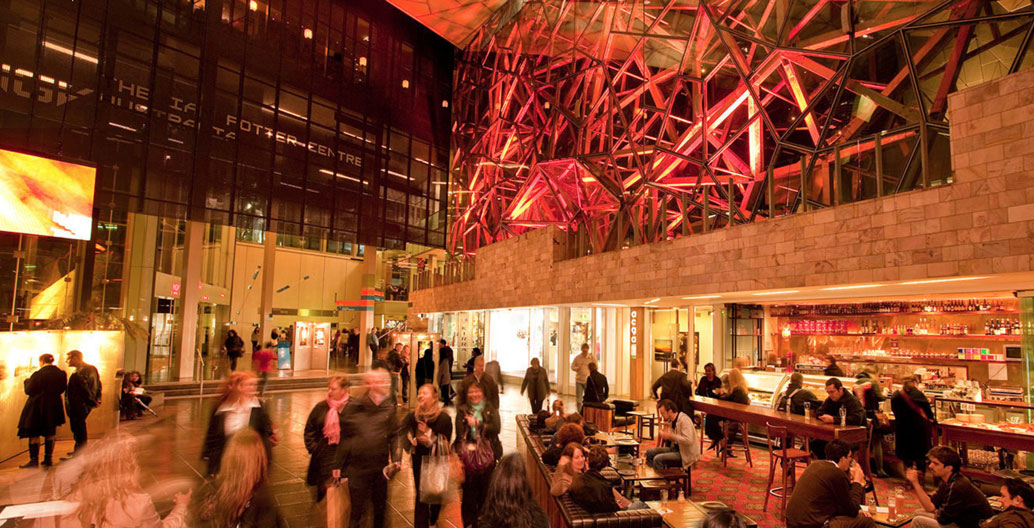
(882, 421)
(476, 456)
(434, 473)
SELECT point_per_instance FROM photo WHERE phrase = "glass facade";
(324, 121)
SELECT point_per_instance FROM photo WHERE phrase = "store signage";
(635, 331)
(22, 83)
(175, 289)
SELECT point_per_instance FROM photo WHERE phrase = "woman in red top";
(263, 360)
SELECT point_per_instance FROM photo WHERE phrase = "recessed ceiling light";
(702, 297)
(652, 300)
(778, 292)
(933, 281)
(858, 287)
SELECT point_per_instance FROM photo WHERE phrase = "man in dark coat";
(486, 381)
(829, 412)
(829, 493)
(83, 394)
(367, 455)
(42, 413)
(597, 390)
(536, 382)
(674, 386)
(445, 360)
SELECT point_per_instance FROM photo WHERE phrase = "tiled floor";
(169, 453)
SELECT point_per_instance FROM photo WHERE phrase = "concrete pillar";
(189, 298)
(691, 344)
(366, 321)
(138, 285)
(267, 286)
(564, 375)
(718, 338)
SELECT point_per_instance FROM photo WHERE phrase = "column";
(563, 367)
(189, 298)
(366, 314)
(267, 287)
(1027, 327)
(138, 290)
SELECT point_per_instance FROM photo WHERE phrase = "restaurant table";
(960, 435)
(630, 475)
(616, 439)
(688, 514)
(880, 517)
(797, 425)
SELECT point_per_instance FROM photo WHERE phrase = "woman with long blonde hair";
(109, 494)
(238, 495)
(426, 427)
(237, 408)
(734, 389)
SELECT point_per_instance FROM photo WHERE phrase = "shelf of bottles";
(946, 333)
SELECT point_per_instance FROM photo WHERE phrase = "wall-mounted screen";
(42, 196)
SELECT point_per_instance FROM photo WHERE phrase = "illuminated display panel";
(41, 196)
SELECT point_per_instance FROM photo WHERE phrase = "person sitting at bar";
(957, 503)
(734, 389)
(683, 448)
(708, 386)
(567, 434)
(796, 396)
(593, 492)
(829, 492)
(1017, 499)
(829, 412)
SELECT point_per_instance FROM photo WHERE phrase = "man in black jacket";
(596, 388)
(478, 376)
(957, 502)
(825, 493)
(796, 396)
(829, 412)
(674, 386)
(366, 456)
(83, 394)
(1017, 499)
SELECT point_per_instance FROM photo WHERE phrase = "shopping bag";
(338, 502)
(434, 474)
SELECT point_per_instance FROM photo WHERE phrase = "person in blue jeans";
(679, 446)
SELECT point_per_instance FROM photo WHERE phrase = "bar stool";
(871, 482)
(726, 447)
(780, 448)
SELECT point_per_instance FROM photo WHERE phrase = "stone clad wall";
(982, 223)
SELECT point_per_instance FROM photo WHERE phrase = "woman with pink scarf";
(323, 434)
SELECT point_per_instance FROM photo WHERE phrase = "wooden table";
(797, 425)
(881, 519)
(647, 472)
(616, 439)
(686, 514)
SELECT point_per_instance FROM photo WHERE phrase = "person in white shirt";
(683, 449)
(580, 366)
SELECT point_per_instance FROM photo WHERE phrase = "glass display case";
(997, 435)
(763, 385)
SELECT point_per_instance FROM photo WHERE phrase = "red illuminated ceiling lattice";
(632, 122)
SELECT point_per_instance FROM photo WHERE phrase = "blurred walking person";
(237, 409)
(238, 497)
(425, 369)
(264, 359)
(82, 395)
(477, 421)
(42, 413)
(404, 373)
(509, 502)
(366, 456)
(536, 382)
(234, 348)
(109, 494)
(445, 360)
(323, 434)
(426, 428)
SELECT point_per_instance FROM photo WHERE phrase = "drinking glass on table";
(664, 497)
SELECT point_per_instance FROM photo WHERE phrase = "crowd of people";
(357, 440)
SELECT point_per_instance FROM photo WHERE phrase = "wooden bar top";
(760, 415)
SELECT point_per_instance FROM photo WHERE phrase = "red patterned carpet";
(743, 487)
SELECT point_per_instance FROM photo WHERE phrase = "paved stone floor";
(170, 448)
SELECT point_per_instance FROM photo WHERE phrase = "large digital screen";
(41, 196)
